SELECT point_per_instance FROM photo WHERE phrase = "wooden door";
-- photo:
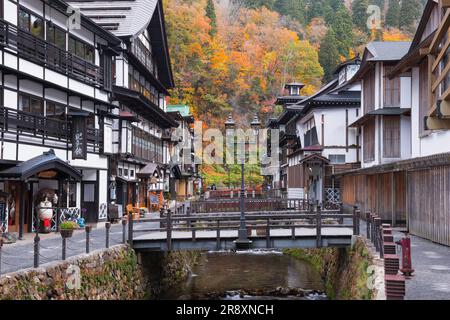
(89, 201)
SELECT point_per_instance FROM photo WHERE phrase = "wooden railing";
(47, 54)
(23, 124)
(263, 223)
(251, 205)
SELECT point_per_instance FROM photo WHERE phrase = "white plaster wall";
(435, 143)
(415, 121)
(405, 136)
(10, 12)
(10, 99)
(405, 92)
(103, 187)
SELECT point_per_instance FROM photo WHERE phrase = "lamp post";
(243, 242)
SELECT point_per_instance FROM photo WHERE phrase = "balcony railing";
(47, 54)
(144, 55)
(47, 130)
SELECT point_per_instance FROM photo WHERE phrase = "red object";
(47, 223)
(405, 243)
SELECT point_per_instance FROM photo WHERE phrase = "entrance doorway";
(89, 202)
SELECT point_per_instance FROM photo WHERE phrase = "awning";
(136, 101)
(380, 112)
(314, 158)
(125, 115)
(148, 171)
(46, 162)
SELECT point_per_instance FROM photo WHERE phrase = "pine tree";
(393, 14)
(211, 14)
(293, 8)
(343, 29)
(329, 54)
(360, 15)
(410, 12)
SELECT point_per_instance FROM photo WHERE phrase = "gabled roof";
(127, 19)
(45, 162)
(123, 17)
(388, 50)
(89, 24)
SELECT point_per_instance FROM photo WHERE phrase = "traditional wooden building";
(413, 188)
(55, 91)
(324, 143)
(142, 77)
(183, 169)
(83, 119)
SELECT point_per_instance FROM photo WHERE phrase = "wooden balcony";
(48, 55)
(45, 131)
(439, 74)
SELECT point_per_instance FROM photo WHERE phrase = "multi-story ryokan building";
(405, 124)
(83, 108)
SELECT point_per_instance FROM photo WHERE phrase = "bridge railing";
(251, 205)
(265, 224)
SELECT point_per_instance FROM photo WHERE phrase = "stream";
(255, 275)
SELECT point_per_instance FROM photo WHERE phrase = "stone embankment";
(117, 273)
(355, 273)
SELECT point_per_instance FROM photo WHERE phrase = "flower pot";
(66, 233)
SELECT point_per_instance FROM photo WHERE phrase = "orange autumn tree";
(239, 68)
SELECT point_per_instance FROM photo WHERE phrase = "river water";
(250, 275)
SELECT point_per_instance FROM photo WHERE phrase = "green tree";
(342, 26)
(410, 12)
(329, 54)
(393, 14)
(294, 8)
(360, 15)
(211, 14)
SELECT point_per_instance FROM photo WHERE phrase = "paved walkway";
(19, 255)
(431, 262)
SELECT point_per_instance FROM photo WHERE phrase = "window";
(31, 23)
(391, 137)
(132, 173)
(81, 49)
(69, 195)
(369, 141)
(369, 92)
(424, 95)
(125, 172)
(54, 110)
(120, 172)
(56, 36)
(391, 89)
(31, 104)
(337, 158)
(311, 138)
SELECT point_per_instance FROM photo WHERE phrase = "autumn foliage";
(242, 67)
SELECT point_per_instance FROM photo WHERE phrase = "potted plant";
(67, 227)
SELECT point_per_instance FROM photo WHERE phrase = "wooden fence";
(419, 199)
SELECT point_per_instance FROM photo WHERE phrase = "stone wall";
(117, 273)
(166, 270)
(105, 274)
(346, 272)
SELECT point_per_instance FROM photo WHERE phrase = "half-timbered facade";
(325, 143)
(142, 77)
(55, 91)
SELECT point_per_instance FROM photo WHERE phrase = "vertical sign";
(79, 142)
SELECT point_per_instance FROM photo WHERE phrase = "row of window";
(55, 35)
(137, 82)
(35, 105)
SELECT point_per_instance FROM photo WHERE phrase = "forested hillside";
(237, 54)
